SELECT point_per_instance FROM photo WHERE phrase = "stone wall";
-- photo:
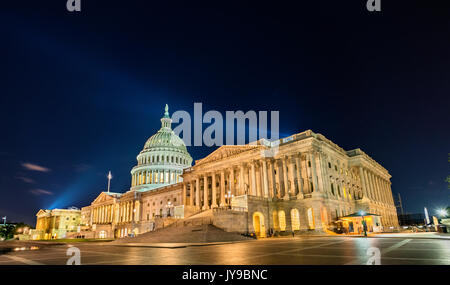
(231, 221)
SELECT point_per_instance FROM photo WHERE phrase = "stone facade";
(302, 184)
(56, 223)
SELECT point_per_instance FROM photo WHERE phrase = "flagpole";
(109, 180)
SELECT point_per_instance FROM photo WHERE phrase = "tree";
(7, 231)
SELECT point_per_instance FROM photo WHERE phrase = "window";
(295, 220)
(332, 188)
(310, 214)
(329, 165)
(282, 220)
(309, 163)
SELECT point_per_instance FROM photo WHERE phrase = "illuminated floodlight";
(362, 213)
(442, 212)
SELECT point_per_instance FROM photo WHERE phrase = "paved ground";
(305, 250)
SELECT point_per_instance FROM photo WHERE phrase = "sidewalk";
(177, 245)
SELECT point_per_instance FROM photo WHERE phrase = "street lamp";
(228, 197)
(169, 206)
(362, 213)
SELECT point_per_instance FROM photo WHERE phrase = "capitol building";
(308, 185)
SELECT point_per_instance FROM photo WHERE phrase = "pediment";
(42, 212)
(226, 151)
(103, 197)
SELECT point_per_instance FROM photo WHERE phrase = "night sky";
(82, 92)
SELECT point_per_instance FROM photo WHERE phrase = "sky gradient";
(81, 93)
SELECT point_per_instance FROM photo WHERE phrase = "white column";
(271, 178)
(241, 180)
(183, 200)
(278, 179)
(299, 175)
(191, 193)
(265, 182)
(232, 185)
(292, 175)
(363, 183)
(222, 188)
(285, 179)
(253, 184)
(214, 191)
(197, 193)
(314, 171)
(205, 192)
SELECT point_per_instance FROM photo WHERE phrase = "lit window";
(295, 220)
(282, 220)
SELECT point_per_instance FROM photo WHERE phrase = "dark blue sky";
(81, 93)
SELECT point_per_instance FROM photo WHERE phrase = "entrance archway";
(258, 224)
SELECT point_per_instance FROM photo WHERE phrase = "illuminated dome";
(165, 138)
(162, 160)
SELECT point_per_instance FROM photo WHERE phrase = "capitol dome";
(162, 160)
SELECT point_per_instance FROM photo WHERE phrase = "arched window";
(310, 214)
(295, 220)
(282, 220)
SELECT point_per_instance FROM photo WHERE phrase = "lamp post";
(228, 197)
(169, 206)
(362, 213)
(4, 220)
